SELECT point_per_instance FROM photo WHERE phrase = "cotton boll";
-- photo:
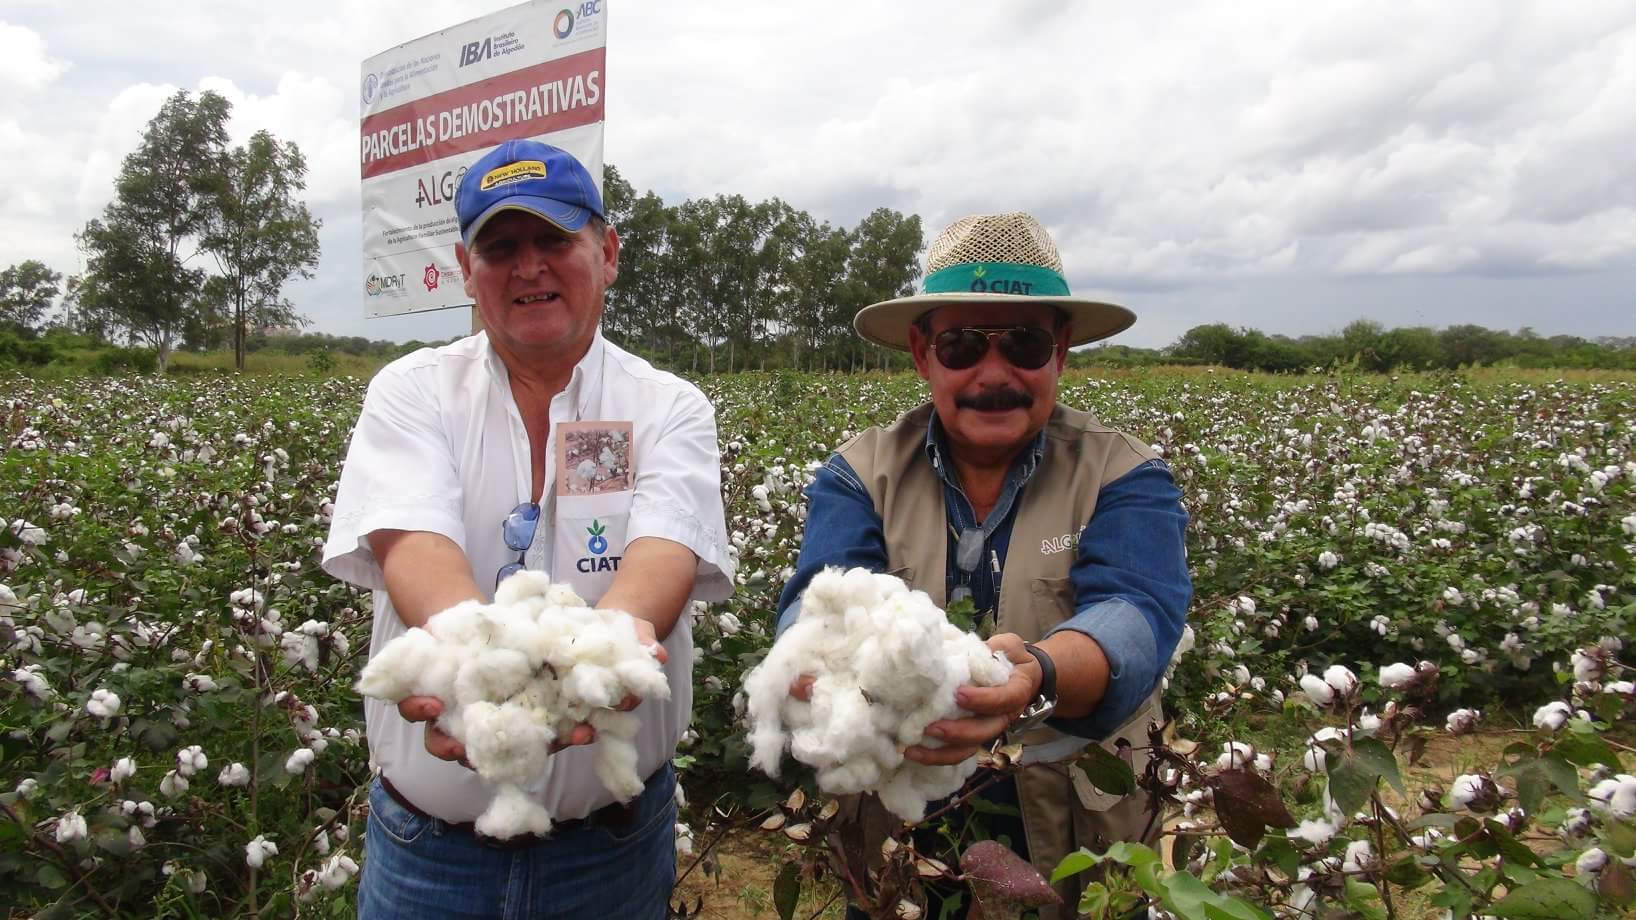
(492, 674)
(1341, 679)
(396, 669)
(615, 761)
(513, 812)
(1317, 690)
(518, 674)
(1552, 716)
(504, 742)
(532, 584)
(886, 664)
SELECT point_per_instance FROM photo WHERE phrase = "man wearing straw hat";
(1067, 536)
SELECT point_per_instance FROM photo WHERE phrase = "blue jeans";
(418, 867)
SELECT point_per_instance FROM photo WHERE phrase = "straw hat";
(992, 258)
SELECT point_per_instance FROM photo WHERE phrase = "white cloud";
(25, 64)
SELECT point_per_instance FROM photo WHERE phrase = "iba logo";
(430, 277)
(598, 545)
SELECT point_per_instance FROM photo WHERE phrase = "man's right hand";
(442, 745)
(801, 687)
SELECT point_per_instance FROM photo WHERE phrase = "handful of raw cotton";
(517, 674)
(887, 662)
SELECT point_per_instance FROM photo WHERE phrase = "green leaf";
(1455, 899)
(1379, 759)
(1073, 864)
(1131, 854)
(49, 876)
(1619, 837)
(1584, 749)
(1106, 771)
(1281, 853)
(1547, 899)
(1364, 900)
(787, 890)
(1510, 847)
(1406, 873)
(1093, 900)
(1537, 776)
(1188, 897)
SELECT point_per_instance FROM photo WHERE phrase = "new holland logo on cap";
(526, 175)
(522, 169)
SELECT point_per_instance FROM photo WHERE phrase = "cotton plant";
(518, 674)
(886, 663)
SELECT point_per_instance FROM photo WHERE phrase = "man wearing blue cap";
(535, 443)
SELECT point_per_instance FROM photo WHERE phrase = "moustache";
(995, 400)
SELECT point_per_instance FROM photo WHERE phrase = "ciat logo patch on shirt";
(598, 561)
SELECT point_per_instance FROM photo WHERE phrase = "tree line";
(726, 284)
(1369, 346)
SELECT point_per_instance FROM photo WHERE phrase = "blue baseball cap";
(524, 175)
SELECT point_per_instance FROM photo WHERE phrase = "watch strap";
(1048, 672)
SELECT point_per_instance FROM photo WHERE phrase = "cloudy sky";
(1289, 166)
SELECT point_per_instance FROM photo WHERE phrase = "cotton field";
(1373, 557)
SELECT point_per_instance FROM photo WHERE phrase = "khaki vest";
(1061, 810)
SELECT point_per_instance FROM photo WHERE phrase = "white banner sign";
(432, 106)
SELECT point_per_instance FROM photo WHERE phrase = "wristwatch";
(1045, 702)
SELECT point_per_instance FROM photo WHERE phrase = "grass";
(275, 362)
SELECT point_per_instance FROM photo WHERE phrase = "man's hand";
(993, 708)
(442, 745)
(801, 687)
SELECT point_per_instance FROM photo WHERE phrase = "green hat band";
(997, 278)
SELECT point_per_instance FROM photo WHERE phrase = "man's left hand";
(993, 708)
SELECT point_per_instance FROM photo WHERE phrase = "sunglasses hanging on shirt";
(1026, 347)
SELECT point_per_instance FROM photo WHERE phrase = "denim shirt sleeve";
(842, 529)
(1131, 590)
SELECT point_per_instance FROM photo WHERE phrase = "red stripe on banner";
(553, 96)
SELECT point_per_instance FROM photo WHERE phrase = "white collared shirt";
(441, 447)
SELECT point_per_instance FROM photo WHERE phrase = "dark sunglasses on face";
(1027, 347)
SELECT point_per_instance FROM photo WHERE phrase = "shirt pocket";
(589, 540)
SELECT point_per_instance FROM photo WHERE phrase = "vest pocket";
(1053, 604)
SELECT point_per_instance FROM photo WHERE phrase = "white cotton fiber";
(887, 663)
(516, 675)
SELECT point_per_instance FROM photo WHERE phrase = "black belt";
(616, 816)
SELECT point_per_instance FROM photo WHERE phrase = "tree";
(259, 234)
(26, 291)
(1214, 343)
(137, 279)
(884, 264)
